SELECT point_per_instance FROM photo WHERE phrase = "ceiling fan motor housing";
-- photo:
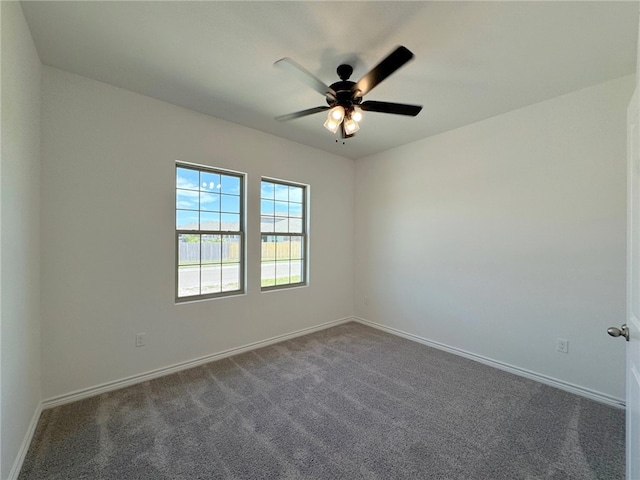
(344, 89)
(344, 94)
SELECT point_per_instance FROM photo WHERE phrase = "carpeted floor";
(347, 403)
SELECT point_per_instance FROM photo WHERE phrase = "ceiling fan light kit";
(351, 126)
(337, 113)
(331, 125)
(348, 118)
(344, 98)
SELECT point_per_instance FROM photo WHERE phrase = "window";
(283, 234)
(209, 233)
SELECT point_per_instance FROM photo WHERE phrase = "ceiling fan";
(344, 98)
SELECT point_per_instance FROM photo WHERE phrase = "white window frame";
(219, 231)
(303, 235)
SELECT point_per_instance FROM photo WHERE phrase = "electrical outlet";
(562, 345)
(140, 339)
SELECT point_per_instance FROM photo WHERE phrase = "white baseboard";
(125, 382)
(566, 386)
(26, 442)
(161, 372)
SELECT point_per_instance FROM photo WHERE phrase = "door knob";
(619, 332)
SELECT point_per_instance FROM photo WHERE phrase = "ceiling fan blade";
(386, 67)
(386, 107)
(305, 76)
(302, 113)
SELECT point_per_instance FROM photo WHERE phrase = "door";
(633, 285)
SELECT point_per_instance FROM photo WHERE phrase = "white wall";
(20, 233)
(108, 200)
(501, 236)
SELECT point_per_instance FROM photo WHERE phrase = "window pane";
(230, 248)
(230, 203)
(281, 224)
(209, 182)
(267, 190)
(230, 277)
(295, 210)
(296, 271)
(209, 221)
(266, 207)
(209, 201)
(187, 178)
(295, 194)
(282, 273)
(268, 274)
(282, 248)
(186, 220)
(266, 224)
(268, 248)
(188, 249)
(282, 209)
(296, 247)
(187, 199)
(211, 249)
(282, 192)
(230, 184)
(211, 276)
(230, 222)
(295, 225)
(188, 281)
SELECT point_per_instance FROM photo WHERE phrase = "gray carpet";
(350, 403)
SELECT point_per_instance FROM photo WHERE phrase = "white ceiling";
(473, 60)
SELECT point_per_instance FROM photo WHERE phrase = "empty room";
(319, 240)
